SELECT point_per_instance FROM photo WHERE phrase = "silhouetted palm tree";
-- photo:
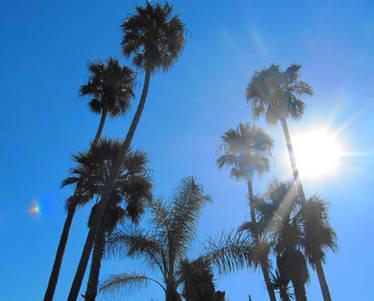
(111, 87)
(164, 246)
(197, 279)
(280, 214)
(153, 37)
(318, 236)
(132, 187)
(247, 150)
(274, 93)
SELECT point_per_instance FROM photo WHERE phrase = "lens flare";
(35, 208)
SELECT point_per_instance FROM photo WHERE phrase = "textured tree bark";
(77, 282)
(59, 255)
(323, 282)
(100, 129)
(97, 256)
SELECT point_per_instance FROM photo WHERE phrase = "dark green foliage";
(153, 37)
(274, 93)
(110, 86)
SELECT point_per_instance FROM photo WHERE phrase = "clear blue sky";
(45, 46)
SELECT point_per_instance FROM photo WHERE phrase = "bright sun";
(316, 153)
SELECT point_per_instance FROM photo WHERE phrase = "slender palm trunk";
(264, 269)
(299, 290)
(53, 278)
(100, 129)
(322, 282)
(59, 255)
(269, 286)
(105, 198)
(97, 256)
(251, 201)
(322, 279)
(291, 154)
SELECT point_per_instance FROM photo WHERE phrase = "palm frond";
(125, 281)
(228, 252)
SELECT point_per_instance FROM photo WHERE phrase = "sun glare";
(317, 153)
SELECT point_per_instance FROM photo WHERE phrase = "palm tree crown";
(275, 93)
(153, 37)
(110, 86)
(247, 150)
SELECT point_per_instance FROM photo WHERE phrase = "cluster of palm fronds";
(116, 180)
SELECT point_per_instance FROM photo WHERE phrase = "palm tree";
(164, 246)
(111, 87)
(247, 150)
(279, 212)
(280, 283)
(153, 37)
(318, 236)
(274, 93)
(132, 186)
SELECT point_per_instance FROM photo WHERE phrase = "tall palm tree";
(153, 37)
(274, 93)
(133, 188)
(164, 246)
(111, 87)
(318, 236)
(247, 150)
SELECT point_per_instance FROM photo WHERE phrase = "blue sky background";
(45, 47)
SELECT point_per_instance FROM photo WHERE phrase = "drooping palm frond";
(127, 282)
(136, 244)
(189, 201)
(281, 284)
(228, 252)
(318, 234)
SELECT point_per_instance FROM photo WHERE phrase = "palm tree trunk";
(77, 282)
(59, 255)
(321, 275)
(100, 129)
(291, 154)
(299, 290)
(97, 256)
(264, 269)
(323, 282)
(269, 286)
(251, 202)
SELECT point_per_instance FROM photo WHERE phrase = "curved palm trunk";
(77, 282)
(59, 255)
(269, 286)
(100, 129)
(53, 278)
(97, 256)
(322, 282)
(264, 269)
(320, 273)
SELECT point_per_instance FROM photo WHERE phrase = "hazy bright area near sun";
(45, 47)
